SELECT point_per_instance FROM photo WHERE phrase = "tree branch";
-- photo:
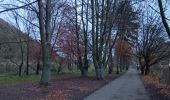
(15, 8)
(163, 17)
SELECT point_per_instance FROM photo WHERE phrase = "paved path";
(126, 87)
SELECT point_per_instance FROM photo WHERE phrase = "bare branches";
(19, 7)
(158, 12)
(152, 47)
(163, 17)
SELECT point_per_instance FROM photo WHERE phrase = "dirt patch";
(75, 88)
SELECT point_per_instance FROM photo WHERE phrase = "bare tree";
(45, 31)
(19, 38)
(79, 58)
(85, 22)
(152, 47)
(102, 24)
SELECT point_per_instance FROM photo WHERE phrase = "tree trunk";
(110, 69)
(117, 69)
(99, 73)
(20, 69)
(147, 69)
(111, 63)
(142, 70)
(45, 30)
(121, 63)
(38, 62)
(45, 77)
(38, 68)
(84, 72)
(22, 59)
(85, 27)
(79, 58)
(163, 17)
(27, 61)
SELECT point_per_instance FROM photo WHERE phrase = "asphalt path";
(127, 87)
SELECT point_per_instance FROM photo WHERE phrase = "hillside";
(13, 48)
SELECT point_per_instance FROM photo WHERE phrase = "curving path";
(127, 87)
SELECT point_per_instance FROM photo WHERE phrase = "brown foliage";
(123, 48)
(155, 82)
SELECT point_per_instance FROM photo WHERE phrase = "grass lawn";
(7, 79)
(12, 79)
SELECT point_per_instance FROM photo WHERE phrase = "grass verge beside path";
(12, 79)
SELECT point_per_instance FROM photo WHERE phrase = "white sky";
(153, 3)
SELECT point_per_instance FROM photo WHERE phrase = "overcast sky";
(152, 3)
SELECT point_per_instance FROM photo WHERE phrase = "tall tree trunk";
(22, 60)
(142, 68)
(95, 51)
(45, 40)
(121, 63)
(84, 71)
(147, 68)
(38, 62)
(20, 68)
(27, 60)
(38, 68)
(93, 35)
(163, 17)
(117, 69)
(45, 77)
(111, 64)
(79, 58)
(117, 66)
(20, 44)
